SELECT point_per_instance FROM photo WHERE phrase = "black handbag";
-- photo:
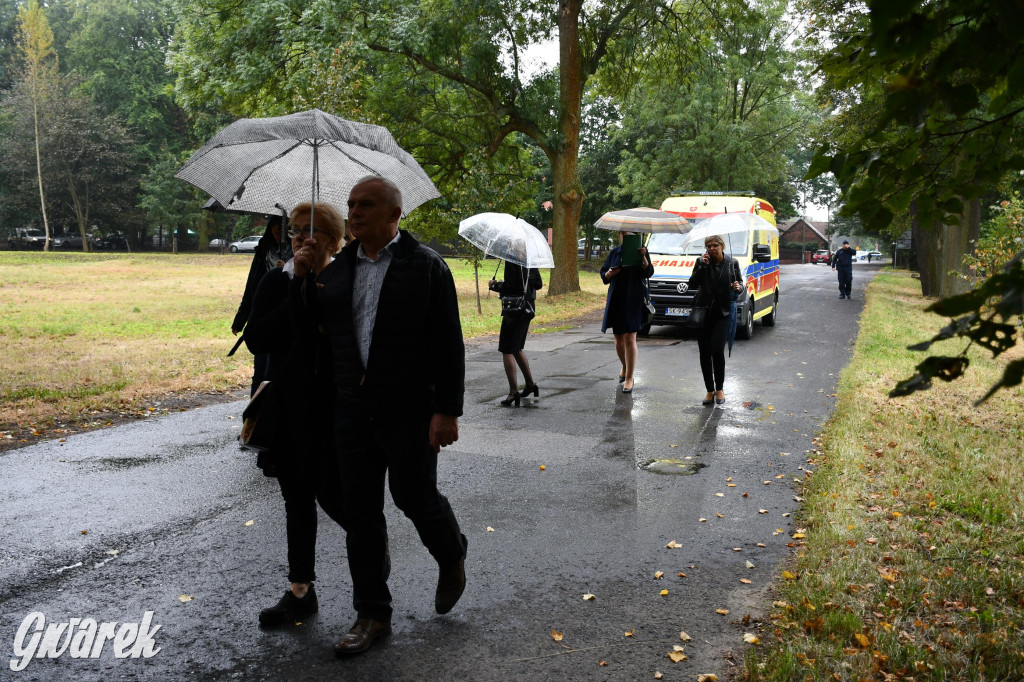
(698, 317)
(257, 420)
(516, 306)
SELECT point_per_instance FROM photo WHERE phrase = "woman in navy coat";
(624, 309)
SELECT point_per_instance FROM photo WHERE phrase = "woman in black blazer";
(512, 338)
(717, 276)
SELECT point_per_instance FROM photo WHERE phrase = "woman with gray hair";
(717, 276)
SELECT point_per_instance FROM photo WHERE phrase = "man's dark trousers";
(371, 446)
(845, 281)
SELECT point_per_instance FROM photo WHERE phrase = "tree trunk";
(39, 174)
(941, 249)
(564, 153)
(81, 211)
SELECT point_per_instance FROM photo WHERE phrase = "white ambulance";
(756, 250)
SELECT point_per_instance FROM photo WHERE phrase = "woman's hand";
(305, 258)
(705, 259)
(736, 286)
(643, 255)
(611, 272)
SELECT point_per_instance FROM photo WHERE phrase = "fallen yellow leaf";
(745, 581)
(676, 656)
(589, 597)
(762, 511)
(710, 677)
(489, 529)
(728, 479)
(720, 515)
(798, 536)
(723, 612)
(730, 485)
(658, 675)
(702, 520)
(750, 565)
(761, 544)
(663, 593)
(786, 575)
(862, 639)
(250, 522)
(658, 574)
(685, 637)
(629, 633)
(719, 494)
(602, 663)
(185, 598)
(556, 635)
(751, 638)
(673, 545)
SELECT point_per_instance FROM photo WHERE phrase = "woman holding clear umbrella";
(518, 281)
(524, 249)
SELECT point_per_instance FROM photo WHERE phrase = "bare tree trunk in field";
(39, 174)
(564, 156)
(81, 210)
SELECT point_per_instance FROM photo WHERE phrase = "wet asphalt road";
(111, 524)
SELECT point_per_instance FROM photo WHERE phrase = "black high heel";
(512, 398)
(527, 390)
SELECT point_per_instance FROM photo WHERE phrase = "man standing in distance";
(391, 312)
(842, 263)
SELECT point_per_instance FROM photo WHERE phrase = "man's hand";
(444, 430)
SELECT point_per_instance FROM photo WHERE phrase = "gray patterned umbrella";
(266, 165)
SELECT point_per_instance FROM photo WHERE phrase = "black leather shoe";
(290, 609)
(512, 398)
(527, 390)
(361, 635)
(450, 585)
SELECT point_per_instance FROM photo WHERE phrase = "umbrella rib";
(262, 165)
(371, 170)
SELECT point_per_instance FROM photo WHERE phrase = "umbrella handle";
(495, 275)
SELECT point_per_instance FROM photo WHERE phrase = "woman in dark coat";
(718, 278)
(624, 308)
(517, 282)
(302, 399)
(271, 251)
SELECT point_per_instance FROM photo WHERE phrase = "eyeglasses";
(293, 233)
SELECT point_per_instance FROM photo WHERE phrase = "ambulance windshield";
(672, 244)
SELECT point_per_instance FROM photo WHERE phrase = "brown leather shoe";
(450, 585)
(359, 638)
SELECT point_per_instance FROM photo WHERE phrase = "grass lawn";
(909, 563)
(86, 335)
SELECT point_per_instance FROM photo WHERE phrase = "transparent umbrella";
(508, 237)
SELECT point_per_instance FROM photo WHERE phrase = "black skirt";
(512, 338)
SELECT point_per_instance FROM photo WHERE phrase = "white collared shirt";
(366, 284)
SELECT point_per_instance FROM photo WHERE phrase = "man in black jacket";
(842, 263)
(389, 307)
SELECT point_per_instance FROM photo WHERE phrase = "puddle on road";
(122, 463)
(672, 467)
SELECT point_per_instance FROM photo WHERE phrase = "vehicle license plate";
(685, 312)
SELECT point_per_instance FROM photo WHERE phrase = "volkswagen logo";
(681, 287)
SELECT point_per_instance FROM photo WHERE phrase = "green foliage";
(1001, 237)
(943, 116)
(728, 121)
